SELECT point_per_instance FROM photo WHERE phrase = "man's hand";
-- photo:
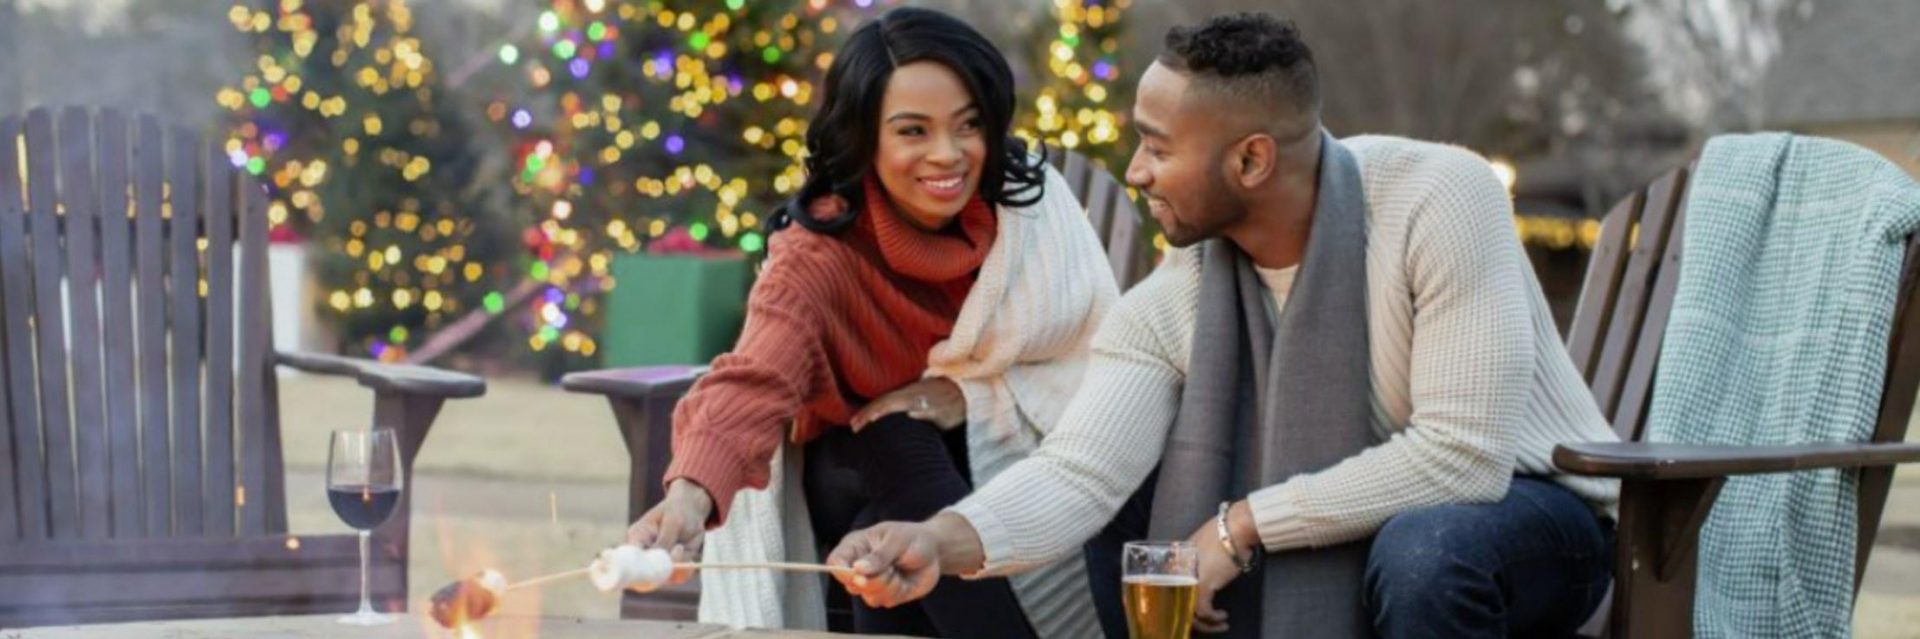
(892, 563)
(1217, 568)
(678, 524)
(934, 399)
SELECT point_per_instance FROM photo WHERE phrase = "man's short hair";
(1254, 58)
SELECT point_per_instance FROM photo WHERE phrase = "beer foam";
(1162, 580)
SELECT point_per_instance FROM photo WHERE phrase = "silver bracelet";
(1226, 540)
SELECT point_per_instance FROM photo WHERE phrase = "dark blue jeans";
(1534, 564)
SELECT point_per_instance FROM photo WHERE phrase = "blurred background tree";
(669, 125)
(345, 118)
(1079, 94)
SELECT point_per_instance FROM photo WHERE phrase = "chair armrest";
(642, 382)
(1641, 460)
(382, 376)
(643, 399)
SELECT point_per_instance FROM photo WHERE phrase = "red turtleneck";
(833, 321)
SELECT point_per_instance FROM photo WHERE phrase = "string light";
(1557, 233)
(1079, 106)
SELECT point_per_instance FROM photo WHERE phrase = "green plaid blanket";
(1793, 247)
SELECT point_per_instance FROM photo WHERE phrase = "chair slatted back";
(134, 352)
(1111, 211)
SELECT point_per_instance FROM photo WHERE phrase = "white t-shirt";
(1279, 283)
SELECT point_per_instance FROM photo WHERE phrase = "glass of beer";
(1159, 580)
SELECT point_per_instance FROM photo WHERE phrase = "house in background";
(1851, 71)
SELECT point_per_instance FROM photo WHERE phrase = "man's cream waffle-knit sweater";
(1471, 383)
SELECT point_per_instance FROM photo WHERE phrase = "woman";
(936, 293)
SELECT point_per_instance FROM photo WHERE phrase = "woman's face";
(932, 144)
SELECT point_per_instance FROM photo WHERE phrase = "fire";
(466, 551)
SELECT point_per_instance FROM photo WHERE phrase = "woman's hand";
(934, 399)
(678, 524)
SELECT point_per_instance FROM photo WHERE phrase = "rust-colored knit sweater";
(834, 321)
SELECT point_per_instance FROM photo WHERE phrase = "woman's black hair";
(844, 133)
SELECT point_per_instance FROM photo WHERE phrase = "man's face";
(1179, 166)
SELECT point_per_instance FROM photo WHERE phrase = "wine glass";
(363, 485)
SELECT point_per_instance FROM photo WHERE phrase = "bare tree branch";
(1713, 53)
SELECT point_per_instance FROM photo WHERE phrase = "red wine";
(363, 507)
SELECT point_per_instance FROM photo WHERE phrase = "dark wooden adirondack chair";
(1111, 210)
(1668, 489)
(643, 397)
(139, 414)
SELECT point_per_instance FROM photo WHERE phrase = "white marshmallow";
(493, 581)
(631, 567)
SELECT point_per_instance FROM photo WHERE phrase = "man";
(1346, 376)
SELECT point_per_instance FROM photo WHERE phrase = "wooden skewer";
(546, 579)
(776, 565)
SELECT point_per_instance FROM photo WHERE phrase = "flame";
(464, 552)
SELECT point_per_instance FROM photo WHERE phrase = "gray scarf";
(1305, 370)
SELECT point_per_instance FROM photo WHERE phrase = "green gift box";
(673, 309)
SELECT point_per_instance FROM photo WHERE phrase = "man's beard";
(1183, 236)
(1225, 211)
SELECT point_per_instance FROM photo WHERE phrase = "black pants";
(904, 469)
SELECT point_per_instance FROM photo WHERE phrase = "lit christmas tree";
(1081, 103)
(662, 124)
(344, 118)
(1084, 95)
